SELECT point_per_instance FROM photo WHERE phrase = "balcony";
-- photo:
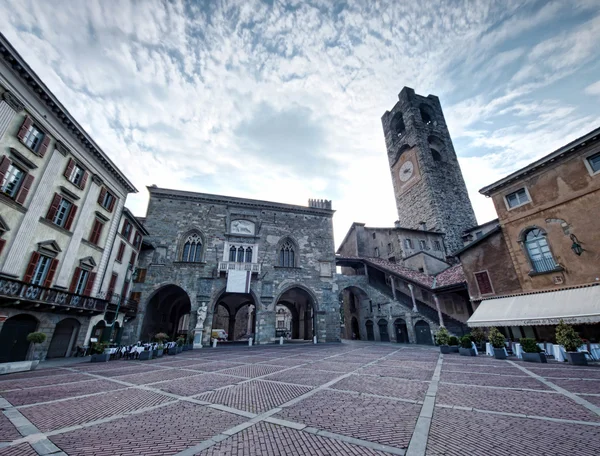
(114, 301)
(34, 297)
(225, 266)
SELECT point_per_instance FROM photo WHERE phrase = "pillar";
(412, 295)
(439, 311)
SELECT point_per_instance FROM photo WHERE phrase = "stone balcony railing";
(225, 266)
(115, 299)
(35, 297)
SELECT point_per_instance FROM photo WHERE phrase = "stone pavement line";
(31, 434)
(581, 401)
(418, 442)
(264, 416)
(500, 387)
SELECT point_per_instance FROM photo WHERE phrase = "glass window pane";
(198, 254)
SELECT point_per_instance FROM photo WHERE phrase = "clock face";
(406, 171)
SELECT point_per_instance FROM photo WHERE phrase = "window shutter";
(70, 217)
(90, 283)
(112, 204)
(84, 180)
(121, 252)
(112, 284)
(74, 280)
(484, 283)
(28, 122)
(51, 272)
(4, 164)
(31, 267)
(24, 190)
(132, 259)
(141, 276)
(53, 207)
(96, 231)
(2, 243)
(102, 195)
(44, 146)
(69, 168)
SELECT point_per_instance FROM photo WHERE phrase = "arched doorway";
(384, 335)
(401, 331)
(301, 312)
(284, 317)
(101, 332)
(235, 314)
(64, 338)
(423, 333)
(164, 311)
(13, 337)
(355, 329)
(370, 332)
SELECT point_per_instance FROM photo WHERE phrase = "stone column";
(393, 282)
(231, 329)
(9, 107)
(439, 311)
(412, 295)
(250, 327)
(114, 226)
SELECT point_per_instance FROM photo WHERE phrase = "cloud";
(593, 89)
(282, 100)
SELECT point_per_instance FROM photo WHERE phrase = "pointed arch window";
(232, 254)
(287, 255)
(192, 249)
(538, 251)
(248, 254)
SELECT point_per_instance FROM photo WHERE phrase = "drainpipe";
(412, 295)
(437, 306)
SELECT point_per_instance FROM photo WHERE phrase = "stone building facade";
(545, 264)
(61, 200)
(428, 183)
(236, 255)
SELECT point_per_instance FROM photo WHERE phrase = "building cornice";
(237, 202)
(29, 78)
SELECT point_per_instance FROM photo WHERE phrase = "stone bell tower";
(428, 183)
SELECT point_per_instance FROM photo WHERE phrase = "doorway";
(401, 331)
(63, 340)
(13, 337)
(423, 333)
(384, 335)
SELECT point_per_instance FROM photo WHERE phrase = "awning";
(573, 306)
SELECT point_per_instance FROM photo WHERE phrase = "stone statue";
(202, 310)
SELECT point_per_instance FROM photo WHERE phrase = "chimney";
(319, 203)
(423, 225)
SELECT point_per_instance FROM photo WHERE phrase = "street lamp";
(576, 246)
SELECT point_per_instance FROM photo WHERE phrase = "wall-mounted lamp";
(576, 246)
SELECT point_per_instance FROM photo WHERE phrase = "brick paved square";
(214, 366)
(23, 449)
(126, 370)
(504, 369)
(271, 439)
(54, 392)
(252, 370)
(460, 433)
(303, 376)
(163, 431)
(526, 402)
(8, 432)
(471, 378)
(286, 362)
(42, 381)
(593, 399)
(383, 386)
(567, 372)
(408, 373)
(32, 374)
(156, 376)
(57, 415)
(190, 386)
(578, 386)
(334, 366)
(377, 420)
(255, 396)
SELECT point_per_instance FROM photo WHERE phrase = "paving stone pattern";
(356, 398)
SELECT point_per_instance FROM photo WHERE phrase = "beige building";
(61, 200)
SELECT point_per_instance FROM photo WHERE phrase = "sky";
(282, 100)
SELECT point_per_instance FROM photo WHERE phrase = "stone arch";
(289, 286)
(401, 331)
(306, 306)
(187, 235)
(163, 309)
(64, 338)
(397, 125)
(437, 148)
(287, 245)
(426, 113)
(370, 331)
(13, 337)
(384, 334)
(423, 333)
(351, 298)
(234, 303)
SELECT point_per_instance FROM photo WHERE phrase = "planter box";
(172, 352)
(534, 357)
(453, 348)
(445, 349)
(101, 358)
(179, 349)
(466, 351)
(159, 353)
(499, 353)
(145, 355)
(18, 366)
(185, 348)
(190, 346)
(576, 358)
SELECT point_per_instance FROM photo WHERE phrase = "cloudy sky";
(282, 100)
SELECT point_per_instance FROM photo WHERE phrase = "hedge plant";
(453, 341)
(530, 345)
(442, 336)
(497, 339)
(567, 337)
(465, 341)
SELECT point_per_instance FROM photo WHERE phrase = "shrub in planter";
(180, 341)
(531, 352)
(160, 350)
(569, 338)
(145, 355)
(35, 338)
(99, 354)
(161, 337)
(466, 346)
(478, 336)
(453, 342)
(442, 337)
(497, 340)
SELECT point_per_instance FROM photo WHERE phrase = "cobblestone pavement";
(355, 398)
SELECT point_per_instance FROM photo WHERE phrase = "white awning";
(573, 306)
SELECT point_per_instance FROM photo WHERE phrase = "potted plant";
(160, 350)
(453, 342)
(145, 355)
(442, 338)
(478, 336)
(568, 338)
(466, 346)
(35, 338)
(191, 341)
(532, 352)
(99, 353)
(180, 341)
(498, 342)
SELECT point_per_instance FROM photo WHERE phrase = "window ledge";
(199, 263)
(92, 245)
(56, 227)
(12, 203)
(287, 267)
(558, 268)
